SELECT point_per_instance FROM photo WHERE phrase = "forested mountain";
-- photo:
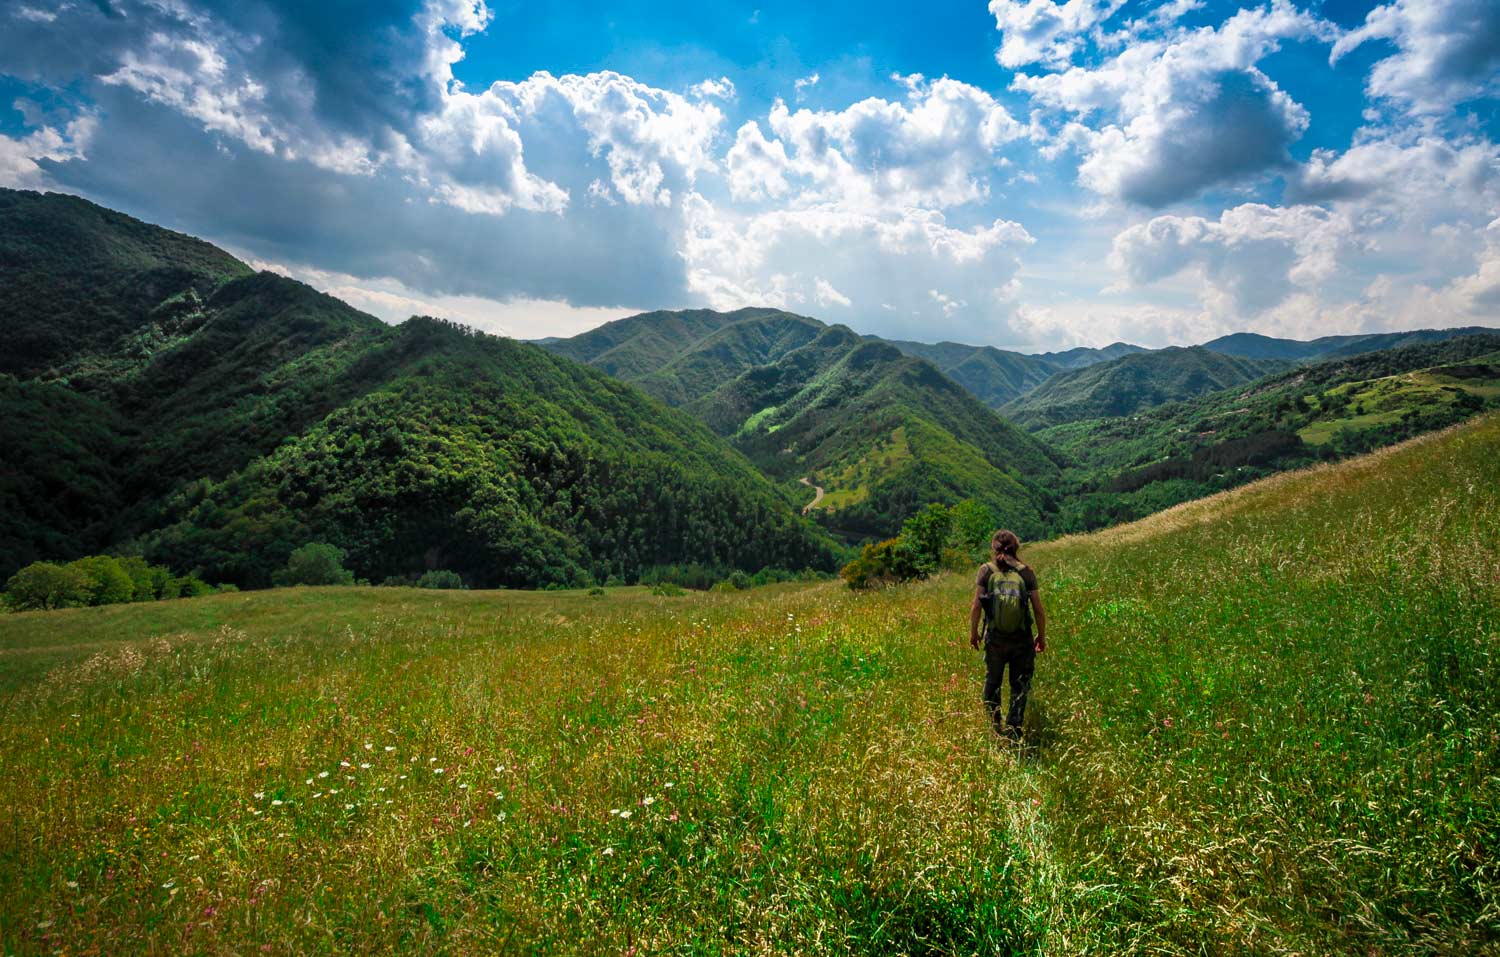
(1082, 356)
(995, 376)
(1249, 345)
(1133, 382)
(81, 279)
(244, 415)
(883, 433)
(1126, 467)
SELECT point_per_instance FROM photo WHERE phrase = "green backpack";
(1006, 609)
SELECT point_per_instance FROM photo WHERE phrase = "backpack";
(1006, 609)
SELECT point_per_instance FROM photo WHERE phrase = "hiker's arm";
(975, 611)
(1040, 614)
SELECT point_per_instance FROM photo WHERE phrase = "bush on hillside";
(316, 563)
(108, 582)
(442, 579)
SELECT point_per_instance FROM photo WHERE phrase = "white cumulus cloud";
(1447, 51)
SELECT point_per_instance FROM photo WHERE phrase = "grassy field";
(1267, 724)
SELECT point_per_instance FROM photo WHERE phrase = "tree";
(109, 583)
(923, 537)
(316, 563)
(45, 585)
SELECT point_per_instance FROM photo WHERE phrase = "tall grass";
(1266, 725)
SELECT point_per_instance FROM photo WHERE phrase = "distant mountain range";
(1249, 345)
(1133, 382)
(157, 395)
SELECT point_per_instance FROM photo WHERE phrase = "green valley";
(882, 431)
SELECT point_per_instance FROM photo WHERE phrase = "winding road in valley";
(817, 497)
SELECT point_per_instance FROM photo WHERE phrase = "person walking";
(1008, 600)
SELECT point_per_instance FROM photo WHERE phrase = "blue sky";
(1027, 173)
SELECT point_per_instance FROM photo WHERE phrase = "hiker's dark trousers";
(1018, 654)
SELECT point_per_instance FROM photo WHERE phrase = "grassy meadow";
(1266, 724)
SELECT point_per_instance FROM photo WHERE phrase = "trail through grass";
(1266, 725)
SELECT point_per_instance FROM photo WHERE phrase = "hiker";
(1007, 596)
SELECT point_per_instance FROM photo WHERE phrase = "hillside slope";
(1133, 382)
(276, 415)
(1122, 468)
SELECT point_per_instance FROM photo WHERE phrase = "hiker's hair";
(1005, 542)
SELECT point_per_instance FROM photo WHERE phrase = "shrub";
(666, 589)
(316, 563)
(441, 578)
(596, 591)
(193, 587)
(45, 585)
(880, 563)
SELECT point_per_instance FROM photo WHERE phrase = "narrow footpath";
(817, 497)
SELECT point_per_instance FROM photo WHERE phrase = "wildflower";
(499, 817)
(322, 774)
(624, 815)
(260, 795)
(276, 803)
(369, 746)
(614, 810)
(73, 885)
(673, 816)
(437, 770)
(463, 787)
(333, 790)
(432, 760)
(670, 784)
(348, 807)
(168, 885)
(364, 767)
(380, 790)
(318, 795)
(309, 781)
(390, 748)
(403, 777)
(1166, 722)
(647, 801)
(343, 764)
(608, 852)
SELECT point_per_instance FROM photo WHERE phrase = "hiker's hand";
(1041, 643)
(974, 642)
